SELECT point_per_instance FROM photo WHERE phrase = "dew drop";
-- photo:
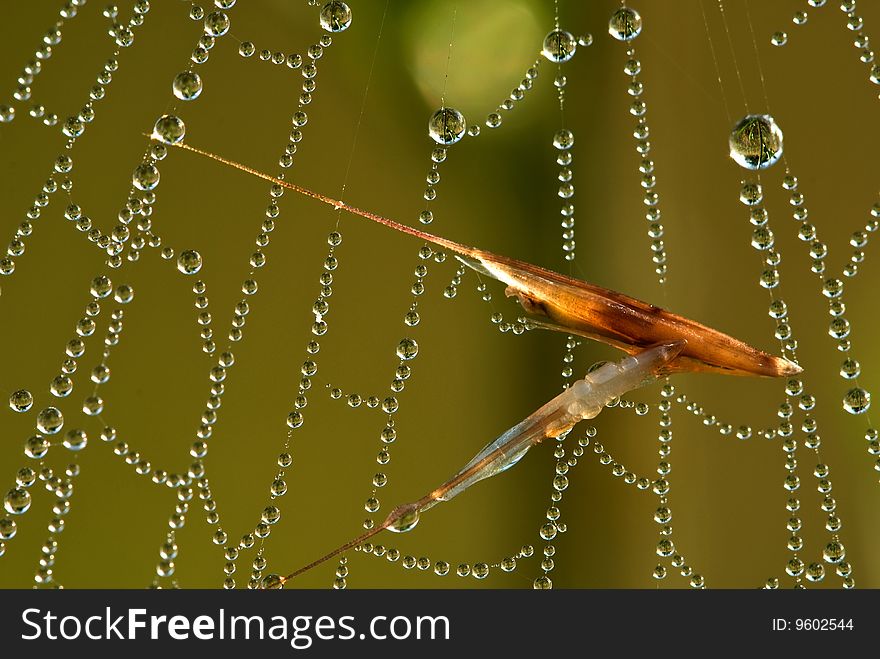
(857, 401)
(8, 528)
(794, 567)
(189, 262)
(665, 547)
(278, 488)
(335, 16)
(101, 287)
(50, 420)
(625, 24)
(187, 85)
(850, 369)
(779, 39)
(169, 129)
(756, 142)
(832, 288)
(834, 552)
(75, 440)
(145, 176)
(815, 572)
(447, 126)
(839, 328)
(17, 501)
(559, 46)
(93, 406)
(560, 482)
(762, 238)
(407, 349)
(36, 447)
(542, 583)
(751, 194)
(563, 139)
(405, 522)
(216, 25)
(21, 400)
(272, 582)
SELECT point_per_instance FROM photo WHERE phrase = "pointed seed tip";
(791, 368)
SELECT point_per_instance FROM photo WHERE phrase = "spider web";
(469, 382)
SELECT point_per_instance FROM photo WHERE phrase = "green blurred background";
(469, 382)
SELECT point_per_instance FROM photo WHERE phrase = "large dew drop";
(559, 46)
(857, 401)
(272, 582)
(407, 349)
(50, 421)
(335, 16)
(187, 85)
(625, 24)
(36, 447)
(447, 126)
(21, 400)
(17, 501)
(406, 522)
(834, 552)
(189, 262)
(169, 129)
(756, 142)
(216, 24)
(75, 440)
(145, 176)
(563, 139)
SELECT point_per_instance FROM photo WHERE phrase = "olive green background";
(469, 382)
